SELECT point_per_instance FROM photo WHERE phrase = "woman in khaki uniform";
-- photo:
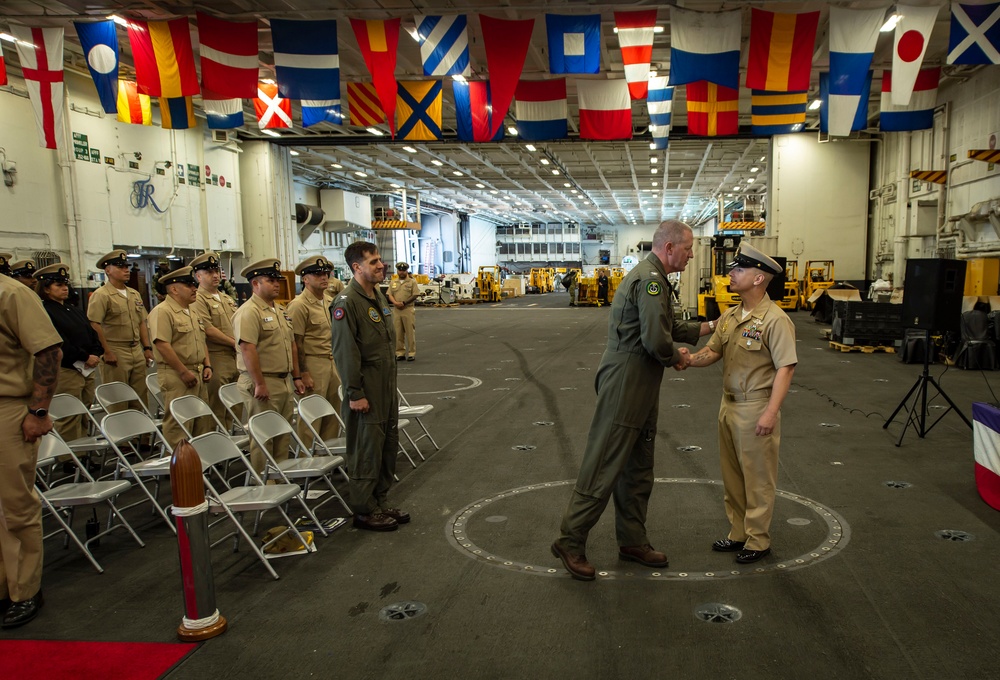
(216, 310)
(182, 363)
(117, 314)
(311, 326)
(403, 293)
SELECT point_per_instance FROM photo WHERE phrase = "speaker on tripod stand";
(932, 301)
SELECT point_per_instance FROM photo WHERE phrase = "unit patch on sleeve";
(653, 288)
(338, 313)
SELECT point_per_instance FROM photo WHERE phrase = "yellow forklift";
(714, 297)
(541, 279)
(818, 276)
(488, 283)
(792, 299)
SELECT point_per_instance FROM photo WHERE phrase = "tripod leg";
(950, 402)
(912, 417)
(902, 404)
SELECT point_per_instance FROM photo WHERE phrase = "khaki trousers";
(326, 381)
(405, 322)
(131, 370)
(749, 471)
(280, 401)
(20, 507)
(224, 371)
(172, 387)
(71, 381)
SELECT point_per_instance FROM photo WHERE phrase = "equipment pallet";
(866, 349)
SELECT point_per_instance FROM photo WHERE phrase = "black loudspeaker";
(776, 289)
(932, 294)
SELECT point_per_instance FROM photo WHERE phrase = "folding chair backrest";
(190, 406)
(268, 425)
(67, 406)
(402, 398)
(231, 397)
(214, 448)
(153, 385)
(51, 446)
(113, 393)
(124, 425)
(314, 407)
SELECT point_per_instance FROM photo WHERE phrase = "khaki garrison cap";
(269, 267)
(209, 260)
(23, 268)
(314, 265)
(57, 273)
(116, 258)
(182, 275)
(750, 258)
(402, 265)
(5, 263)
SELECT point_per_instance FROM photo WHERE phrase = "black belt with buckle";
(275, 375)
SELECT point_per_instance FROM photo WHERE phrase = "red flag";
(272, 110)
(41, 53)
(506, 43)
(3, 70)
(362, 105)
(713, 110)
(379, 41)
(228, 51)
(605, 109)
(781, 50)
(164, 62)
(635, 35)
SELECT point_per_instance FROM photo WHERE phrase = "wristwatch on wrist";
(147, 349)
(38, 412)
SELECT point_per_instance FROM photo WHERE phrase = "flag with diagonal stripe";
(418, 110)
(975, 34)
(272, 110)
(363, 105)
(444, 45)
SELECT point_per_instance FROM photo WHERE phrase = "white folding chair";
(311, 409)
(62, 499)
(217, 450)
(66, 406)
(266, 426)
(114, 393)
(191, 407)
(124, 430)
(400, 427)
(153, 385)
(231, 396)
(416, 412)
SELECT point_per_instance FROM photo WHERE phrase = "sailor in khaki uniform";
(403, 294)
(334, 287)
(5, 263)
(29, 373)
(310, 315)
(216, 311)
(268, 359)
(756, 341)
(182, 363)
(24, 271)
(117, 314)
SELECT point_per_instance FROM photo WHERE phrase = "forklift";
(714, 297)
(488, 283)
(792, 298)
(818, 276)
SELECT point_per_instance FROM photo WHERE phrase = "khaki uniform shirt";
(404, 290)
(181, 328)
(25, 330)
(753, 349)
(119, 315)
(311, 319)
(270, 329)
(215, 311)
(333, 289)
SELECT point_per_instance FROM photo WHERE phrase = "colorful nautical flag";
(506, 43)
(362, 105)
(659, 103)
(444, 45)
(574, 43)
(164, 62)
(40, 51)
(777, 113)
(177, 113)
(635, 37)
(913, 33)
(132, 106)
(975, 34)
(705, 46)
(472, 112)
(781, 50)
(272, 110)
(306, 59)
(605, 109)
(379, 41)
(986, 450)
(229, 53)
(223, 114)
(919, 113)
(541, 109)
(418, 110)
(316, 111)
(99, 41)
(853, 34)
(858, 117)
(712, 109)
(3, 69)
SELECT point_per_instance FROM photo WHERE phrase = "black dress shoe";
(375, 522)
(401, 516)
(20, 613)
(400, 358)
(748, 556)
(411, 358)
(728, 545)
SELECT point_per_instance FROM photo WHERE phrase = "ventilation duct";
(308, 218)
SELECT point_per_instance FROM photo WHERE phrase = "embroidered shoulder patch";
(338, 313)
(653, 288)
(373, 315)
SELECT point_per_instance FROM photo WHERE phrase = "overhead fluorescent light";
(359, 173)
(494, 191)
(754, 169)
(395, 186)
(654, 184)
(574, 191)
(409, 149)
(654, 160)
(657, 29)
(890, 24)
(652, 145)
(293, 152)
(337, 165)
(457, 173)
(763, 158)
(118, 20)
(555, 172)
(480, 186)
(375, 131)
(133, 255)
(530, 147)
(567, 185)
(654, 171)
(512, 130)
(437, 162)
(543, 161)
(816, 103)
(751, 180)
(270, 133)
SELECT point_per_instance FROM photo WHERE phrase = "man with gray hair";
(618, 460)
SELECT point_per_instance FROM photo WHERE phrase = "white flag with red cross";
(41, 53)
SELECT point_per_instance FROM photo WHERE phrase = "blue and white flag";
(975, 34)
(100, 46)
(306, 59)
(659, 102)
(321, 110)
(918, 113)
(541, 109)
(859, 116)
(444, 45)
(853, 34)
(574, 43)
(223, 114)
(705, 46)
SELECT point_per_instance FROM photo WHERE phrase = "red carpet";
(55, 659)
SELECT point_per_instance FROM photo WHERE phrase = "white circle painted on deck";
(468, 385)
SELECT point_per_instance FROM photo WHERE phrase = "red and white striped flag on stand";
(41, 53)
(228, 51)
(605, 109)
(635, 35)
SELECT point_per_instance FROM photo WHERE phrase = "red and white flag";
(913, 33)
(272, 110)
(41, 53)
(605, 109)
(228, 51)
(3, 69)
(635, 35)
